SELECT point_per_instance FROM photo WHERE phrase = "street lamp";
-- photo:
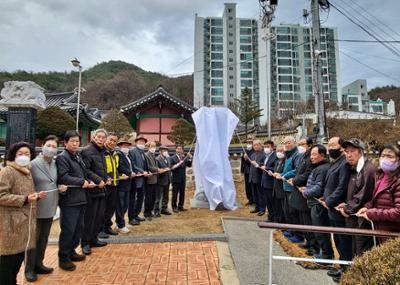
(76, 63)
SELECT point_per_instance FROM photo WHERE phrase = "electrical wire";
(372, 68)
(351, 19)
(373, 24)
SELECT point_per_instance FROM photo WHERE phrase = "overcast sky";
(158, 35)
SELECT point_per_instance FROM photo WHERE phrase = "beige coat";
(15, 184)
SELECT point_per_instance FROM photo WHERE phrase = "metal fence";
(316, 229)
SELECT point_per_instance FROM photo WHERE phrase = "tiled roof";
(154, 96)
(60, 99)
(67, 101)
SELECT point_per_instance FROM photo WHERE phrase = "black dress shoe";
(111, 232)
(248, 203)
(166, 212)
(140, 219)
(30, 276)
(335, 272)
(103, 235)
(175, 210)
(77, 257)
(182, 209)
(261, 213)
(98, 243)
(254, 211)
(134, 222)
(67, 265)
(86, 249)
(41, 269)
(157, 215)
(336, 279)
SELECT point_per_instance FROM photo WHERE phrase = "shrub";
(379, 266)
(53, 121)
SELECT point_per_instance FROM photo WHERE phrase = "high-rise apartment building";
(231, 54)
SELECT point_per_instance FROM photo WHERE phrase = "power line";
(370, 67)
(376, 18)
(371, 55)
(242, 61)
(365, 41)
(374, 24)
(364, 29)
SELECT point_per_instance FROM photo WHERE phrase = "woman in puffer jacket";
(384, 208)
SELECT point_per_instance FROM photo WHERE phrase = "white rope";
(194, 139)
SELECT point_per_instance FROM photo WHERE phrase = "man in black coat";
(314, 190)
(111, 161)
(359, 191)
(163, 182)
(124, 185)
(179, 162)
(296, 200)
(93, 157)
(257, 160)
(139, 165)
(267, 181)
(245, 169)
(71, 171)
(335, 192)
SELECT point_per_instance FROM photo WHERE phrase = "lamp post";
(76, 63)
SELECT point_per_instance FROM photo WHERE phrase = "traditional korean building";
(89, 118)
(154, 114)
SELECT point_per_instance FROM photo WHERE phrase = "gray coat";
(44, 175)
(152, 166)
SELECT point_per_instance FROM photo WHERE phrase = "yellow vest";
(112, 163)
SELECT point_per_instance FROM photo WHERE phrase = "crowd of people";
(294, 182)
(90, 185)
(308, 184)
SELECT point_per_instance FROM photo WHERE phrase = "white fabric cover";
(212, 169)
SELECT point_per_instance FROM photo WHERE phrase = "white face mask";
(125, 150)
(23, 160)
(140, 146)
(267, 150)
(280, 155)
(301, 149)
(49, 151)
(152, 149)
(249, 146)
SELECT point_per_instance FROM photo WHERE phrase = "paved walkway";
(170, 263)
(249, 248)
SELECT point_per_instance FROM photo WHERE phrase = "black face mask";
(335, 153)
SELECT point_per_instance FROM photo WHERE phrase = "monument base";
(21, 125)
(199, 201)
(199, 204)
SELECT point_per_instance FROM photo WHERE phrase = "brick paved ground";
(177, 263)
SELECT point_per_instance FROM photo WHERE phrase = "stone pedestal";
(21, 125)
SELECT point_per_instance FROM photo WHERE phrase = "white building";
(355, 98)
(230, 54)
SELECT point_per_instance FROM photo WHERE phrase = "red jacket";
(384, 209)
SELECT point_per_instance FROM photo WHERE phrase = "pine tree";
(182, 132)
(116, 122)
(247, 110)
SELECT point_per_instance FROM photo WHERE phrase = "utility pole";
(317, 71)
(268, 9)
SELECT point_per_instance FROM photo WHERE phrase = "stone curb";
(154, 239)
